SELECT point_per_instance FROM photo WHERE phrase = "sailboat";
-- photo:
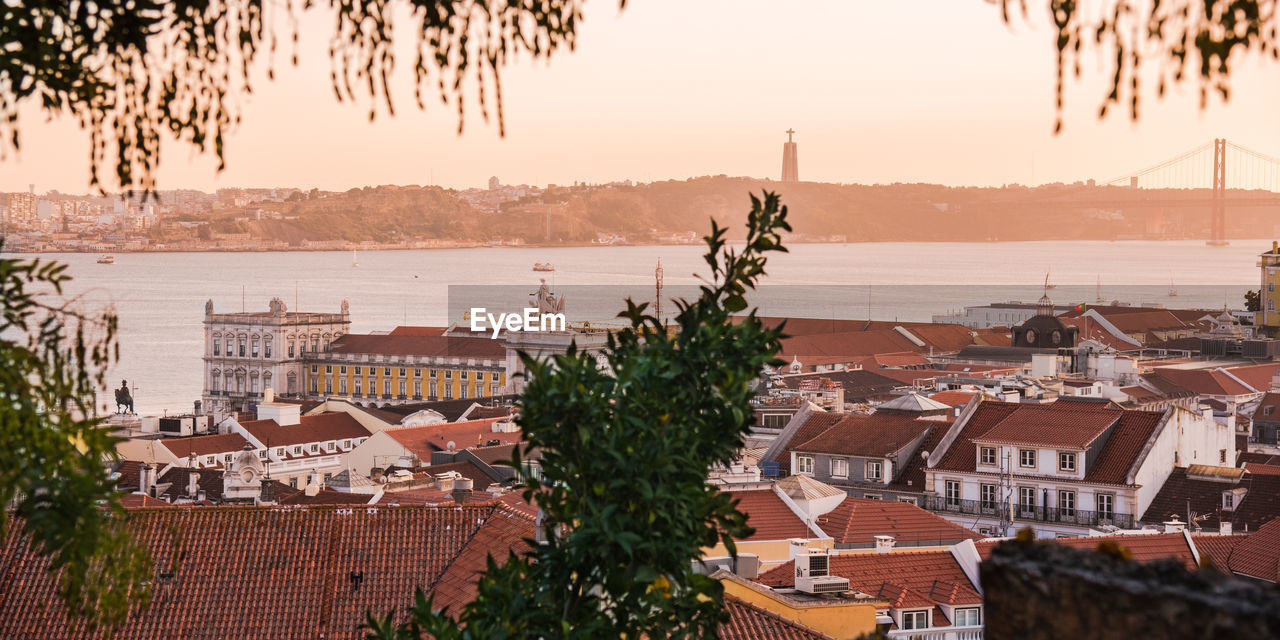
(1172, 292)
(354, 263)
(1100, 289)
(1047, 284)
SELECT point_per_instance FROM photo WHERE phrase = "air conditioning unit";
(813, 575)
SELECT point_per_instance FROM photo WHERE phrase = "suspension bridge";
(1214, 178)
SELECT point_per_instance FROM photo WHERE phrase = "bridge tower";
(1218, 226)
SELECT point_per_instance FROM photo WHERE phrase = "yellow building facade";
(400, 368)
(1268, 316)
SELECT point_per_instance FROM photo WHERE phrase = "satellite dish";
(452, 446)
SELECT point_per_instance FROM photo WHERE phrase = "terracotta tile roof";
(141, 501)
(418, 331)
(323, 427)
(913, 476)
(200, 446)
(452, 410)
(1258, 555)
(1257, 457)
(432, 497)
(770, 516)
(421, 441)
(1223, 381)
(859, 520)
(1217, 549)
(419, 345)
(248, 572)
(1061, 424)
(876, 435)
(1268, 406)
(326, 497)
(502, 533)
(1145, 547)
(1050, 425)
(813, 426)
(749, 622)
(954, 397)
(209, 481)
(1260, 504)
(1262, 469)
(904, 578)
(858, 384)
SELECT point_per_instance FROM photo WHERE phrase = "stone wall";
(1043, 591)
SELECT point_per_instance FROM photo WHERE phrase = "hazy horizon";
(713, 94)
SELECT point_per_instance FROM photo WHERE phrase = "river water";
(160, 296)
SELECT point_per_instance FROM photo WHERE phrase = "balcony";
(1024, 513)
(941, 633)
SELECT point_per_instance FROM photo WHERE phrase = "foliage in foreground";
(52, 448)
(625, 451)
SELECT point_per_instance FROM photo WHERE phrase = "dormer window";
(1027, 458)
(1228, 500)
(1067, 462)
(209, 460)
(297, 451)
(915, 619)
(804, 464)
(346, 444)
(875, 470)
(987, 455)
(1266, 411)
(315, 448)
(280, 452)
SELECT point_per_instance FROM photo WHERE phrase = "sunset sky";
(923, 91)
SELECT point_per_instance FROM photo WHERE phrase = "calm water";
(160, 296)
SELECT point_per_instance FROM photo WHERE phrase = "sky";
(938, 91)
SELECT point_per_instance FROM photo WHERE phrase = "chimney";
(797, 547)
(312, 489)
(193, 483)
(884, 544)
(144, 478)
(1224, 527)
(462, 490)
(1175, 525)
(269, 395)
(445, 481)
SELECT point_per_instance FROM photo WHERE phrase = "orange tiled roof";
(421, 441)
(1258, 555)
(323, 427)
(1111, 466)
(904, 578)
(813, 426)
(248, 572)
(876, 435)
(204, 445)
(1145, 547)
(859, 521)
(1217, 548)
(501, 533)
(770, 516)
(1050, 425)
(417, 344)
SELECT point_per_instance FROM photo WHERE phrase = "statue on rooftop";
(547, 301)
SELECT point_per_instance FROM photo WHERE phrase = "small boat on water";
(1172, 292)
(107, 260)
(354, 263)
(1047, 284)
(543, 266)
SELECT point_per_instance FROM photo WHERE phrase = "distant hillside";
(859, 213)
(377, 214)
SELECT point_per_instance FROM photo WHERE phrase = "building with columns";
(248, 352)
